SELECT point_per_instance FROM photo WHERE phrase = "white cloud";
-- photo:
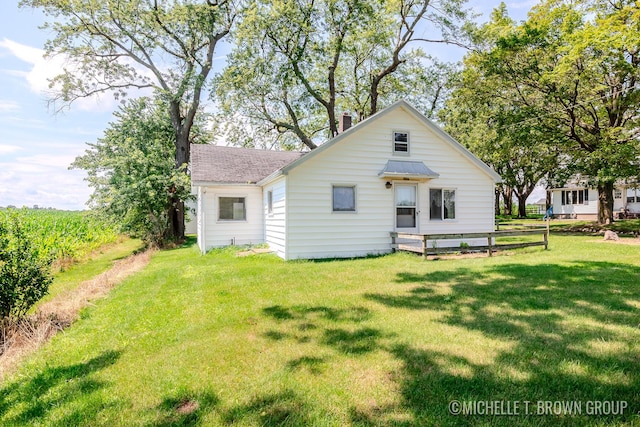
(23, 52)
(44, 69)
(30, 181)
(8, 149)
(8, 106)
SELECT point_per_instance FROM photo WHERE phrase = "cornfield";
(62, 235)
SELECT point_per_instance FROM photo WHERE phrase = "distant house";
(577, 200)
(540, 206)
(395, 171)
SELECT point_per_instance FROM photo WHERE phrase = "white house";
(577, 200)
(395, 171)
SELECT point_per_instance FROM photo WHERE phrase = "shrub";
(25, 273)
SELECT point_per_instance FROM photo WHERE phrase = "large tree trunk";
(522, 194)
(507, 197)
(497, 202)
(177, 210)
(605, 203)
(522, 204)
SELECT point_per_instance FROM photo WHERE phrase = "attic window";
(401, 142)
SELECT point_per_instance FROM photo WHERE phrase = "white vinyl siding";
(588, 207)
(314, 232)
(223, 232)
(275, 222)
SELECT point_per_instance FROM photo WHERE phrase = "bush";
(25, 274)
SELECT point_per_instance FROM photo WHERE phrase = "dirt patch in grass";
(255, 251)
(623, 241)
(187, 407)
(18, 338)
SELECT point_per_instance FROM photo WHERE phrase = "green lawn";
(95, 263)
(222, 340)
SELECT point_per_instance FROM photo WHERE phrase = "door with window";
(406, 206)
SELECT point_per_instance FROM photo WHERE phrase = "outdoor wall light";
(387, 185)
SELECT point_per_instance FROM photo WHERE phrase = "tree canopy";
(167, 46)
(296, 64)
(572, 69)
(132, 173)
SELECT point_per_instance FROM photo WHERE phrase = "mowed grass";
(225, 340)
(93, 264)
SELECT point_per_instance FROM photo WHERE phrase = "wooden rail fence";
(399, 241)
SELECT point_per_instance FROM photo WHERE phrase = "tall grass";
(62, 235)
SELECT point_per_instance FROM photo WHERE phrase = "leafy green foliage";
(482, 114)
(297, 64)
(115, 47)
(25, 273)
(62, 235)
(132, 172)
(574, 66)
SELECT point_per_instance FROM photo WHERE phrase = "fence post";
(490, 245)
(546, 235)
(424, 246)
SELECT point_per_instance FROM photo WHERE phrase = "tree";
(578, 63)
(482, 115)
(118, 46)
(296, 64)
(132, 173)
(25, 274)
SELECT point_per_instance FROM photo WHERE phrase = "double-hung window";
(401, 142)
(442, 204)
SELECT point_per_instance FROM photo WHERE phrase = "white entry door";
(406, 206)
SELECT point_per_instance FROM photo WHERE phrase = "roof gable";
(234, 165)
(404, 105)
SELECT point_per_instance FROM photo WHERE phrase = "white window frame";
(355, 199)
(393, 143)
(455, 203)
(572, 197)
(270, 202)
(231, 196)
(414, 207)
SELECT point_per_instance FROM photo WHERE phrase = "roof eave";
(271, 177)
(221, 183)
(407, 175)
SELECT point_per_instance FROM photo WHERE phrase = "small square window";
(232, 209)
(401, 142)
(344, 198)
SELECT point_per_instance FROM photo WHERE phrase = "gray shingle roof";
(408, 169)
(233, 165)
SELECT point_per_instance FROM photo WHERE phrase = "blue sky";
(36, 146)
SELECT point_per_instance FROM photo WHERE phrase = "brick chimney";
(344, 122)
